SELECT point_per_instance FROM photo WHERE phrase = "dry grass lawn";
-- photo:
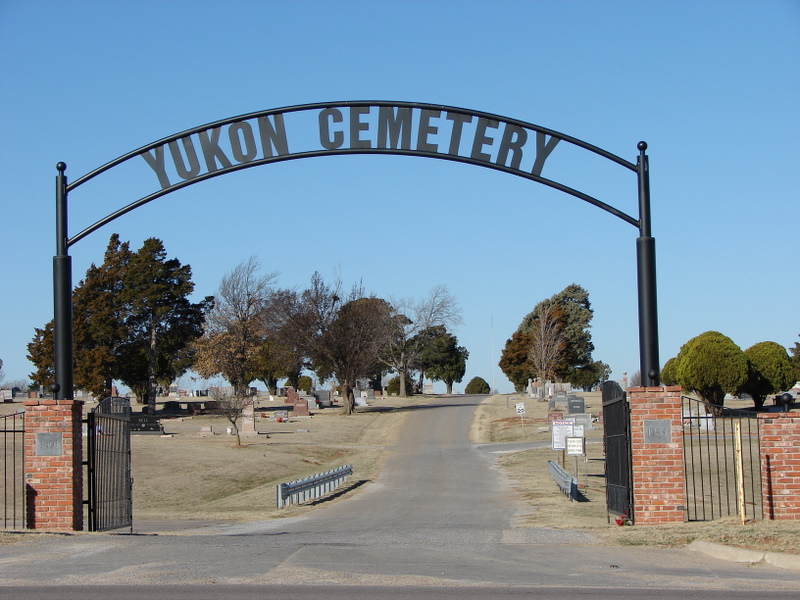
(546, 506)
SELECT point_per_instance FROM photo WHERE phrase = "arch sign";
(353, 127)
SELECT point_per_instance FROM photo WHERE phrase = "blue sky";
(712, 86)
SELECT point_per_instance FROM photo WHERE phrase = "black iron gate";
(109, 466)
(617, 442)
(721, 453)
(12, 455)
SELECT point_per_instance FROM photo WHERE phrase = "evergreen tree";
(477, 385)
(441, 358)
(770, 371)
(574, 314)
(131, 322)
(159, 321)
(711, 365)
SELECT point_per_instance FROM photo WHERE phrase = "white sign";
(577, 431)
(561, 430)
(576, 446)
(520, 408)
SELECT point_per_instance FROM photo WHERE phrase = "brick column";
(780, 464)
(54, 464)
(659, 488)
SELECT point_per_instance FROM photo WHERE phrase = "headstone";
(248, 428)
(171, 406)
(145, 424)
(575, 405)
(584, 420)
(206, 431)
(299, 405)
(555, 416)
(323, 398)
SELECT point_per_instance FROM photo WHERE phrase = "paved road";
(440, 515)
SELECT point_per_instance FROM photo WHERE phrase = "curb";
(742, 555)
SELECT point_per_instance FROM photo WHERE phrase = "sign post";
(521, 413)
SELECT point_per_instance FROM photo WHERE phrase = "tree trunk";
(348, 399)
(403, 383)
(449, 384)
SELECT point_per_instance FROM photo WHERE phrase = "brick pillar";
(780, 464)
(54, 464)
(659, 488)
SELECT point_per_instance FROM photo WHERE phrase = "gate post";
(780, 464)
(54, 464)
(659, 486)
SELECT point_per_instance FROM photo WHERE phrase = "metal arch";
(341, 151)
(62, 266)
(350, 103)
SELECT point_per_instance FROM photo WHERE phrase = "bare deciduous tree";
(236, 328)
(548, 342)
(232, 407)
(412, 317)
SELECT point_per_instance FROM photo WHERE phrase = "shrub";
(477, 385)
(711, 365)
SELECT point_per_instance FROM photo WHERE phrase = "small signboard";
(561, 430)
(520, 408)
(575, 446)
(658, 432)
(48, 444)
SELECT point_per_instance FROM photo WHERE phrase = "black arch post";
(646, 277)
(62, 295)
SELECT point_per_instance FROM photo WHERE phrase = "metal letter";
(273, 136)
(211, 150)
(191, 155)
(426, 129)
(394, 128)
(458, 120)
(356, 125)
(514, 138)
(157, 163)
(239, 133)
(335, 116)
(543, 149)
(481, 139)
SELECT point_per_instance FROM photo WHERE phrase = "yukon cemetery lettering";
(352, 129)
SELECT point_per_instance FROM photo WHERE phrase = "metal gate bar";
(109, 466)
(710, 462)
(12, 428)
(617, 441)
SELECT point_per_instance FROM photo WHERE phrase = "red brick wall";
(658, 470)
(780, 464)
(54, 484)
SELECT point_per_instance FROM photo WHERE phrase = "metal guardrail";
(310, 488)
(564, 480)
